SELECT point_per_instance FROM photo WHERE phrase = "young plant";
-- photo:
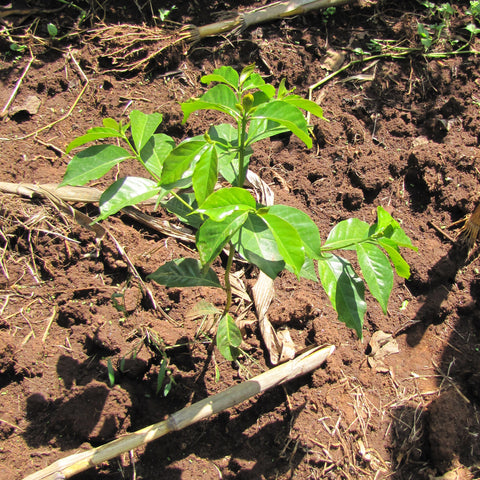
(273, 238)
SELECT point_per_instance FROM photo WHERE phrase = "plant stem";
(242, 127)
(228, 286)
(181, 200)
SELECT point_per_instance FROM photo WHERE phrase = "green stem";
(348, 245)
(139, 158)
(228, 286)
(242, 127)
(181, 200)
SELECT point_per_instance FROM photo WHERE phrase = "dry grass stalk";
(470, 230)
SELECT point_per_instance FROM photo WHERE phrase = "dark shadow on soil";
(442, 278)
(266, 448)
(431, 438)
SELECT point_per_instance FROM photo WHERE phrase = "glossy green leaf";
(220, 98)
(305, 104)
(246, 76)
(185, 272)
(225, 137)
(256, 81)
(205, 174)
(255, 242)
(181, 160)
(259, 98)
(111, 123)
(401, 266)
(345, 290)
(289, 243)
(184, 214)
(155, 151)
(387, 226)
(95, 133)
(213, 236)
(224, 202)
(124, 192)
(92, 163)
(288, 116)
(224, 134)
(229, 338)
(384, 220)
(282, 90)
(304, 226)
(143, 126)
(377, 272)
(261, 128)
(347, 234)
(224, 74)
(307, 271)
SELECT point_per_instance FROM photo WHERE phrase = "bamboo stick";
(79, 462)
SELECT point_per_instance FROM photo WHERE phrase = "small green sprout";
(111, 373)
(52, 30)
(163, 13)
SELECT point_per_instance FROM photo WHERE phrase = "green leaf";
(305, 104)
(246, 75)
(111, 123)
(307, 271)
(52, 30)
(224, 202)
(282, 90)
(289, 243)
(261, 128)
(229, 338)
(401, 266)
(185, 272)
(391, 229)
(223, 74)
(255, 242)
(219, 97)
(181, 160)
(345, 290)
(212, 236)
(124, 192)
(377, 272)
(347, 234)
(224, 134)
(304, 226)
(95, 133)
(205, 174)
(92, 163)
(288, 116)
(143, 126)
(184, 214)
(155, 151)
(255, 80)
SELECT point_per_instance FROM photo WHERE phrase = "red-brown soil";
(406, 137)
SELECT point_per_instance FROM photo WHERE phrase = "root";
(128, 48)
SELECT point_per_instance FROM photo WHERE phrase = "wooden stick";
(17, 86)
(79, 462)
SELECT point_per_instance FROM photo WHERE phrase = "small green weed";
(163, 13)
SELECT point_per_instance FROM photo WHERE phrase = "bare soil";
(403, 134)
